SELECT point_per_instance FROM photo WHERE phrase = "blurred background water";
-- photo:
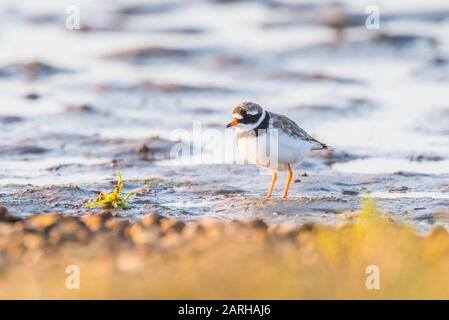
(131, 82)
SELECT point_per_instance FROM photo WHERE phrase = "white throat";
(247, 127)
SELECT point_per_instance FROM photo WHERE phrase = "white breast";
(274, 150)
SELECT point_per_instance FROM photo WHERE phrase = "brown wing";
(290, 127)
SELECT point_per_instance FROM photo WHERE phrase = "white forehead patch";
(253, 112)
(237, 116)
(251, 126)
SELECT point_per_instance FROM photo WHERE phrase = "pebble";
(6, 216)
(172, 225)
(117, 226)
(141, 235)
(284, 231)
(151, 220)
(191, 230)
(42, 222)
(69, 229)
(96, 222)
(258, 224)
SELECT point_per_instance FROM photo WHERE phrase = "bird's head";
(247, 116)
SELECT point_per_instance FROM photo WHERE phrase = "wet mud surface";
(237, 192)
(126, 88)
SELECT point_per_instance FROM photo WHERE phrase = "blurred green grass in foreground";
(213, 260)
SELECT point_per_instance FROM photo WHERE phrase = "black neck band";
(263, 125)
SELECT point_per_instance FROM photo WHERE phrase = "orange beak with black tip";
(233, 123)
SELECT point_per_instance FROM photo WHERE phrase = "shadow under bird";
(270, 140)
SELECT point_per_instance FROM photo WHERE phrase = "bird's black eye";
(249, 118)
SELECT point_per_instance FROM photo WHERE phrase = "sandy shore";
(158, 257)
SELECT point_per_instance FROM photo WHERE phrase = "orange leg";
(289, 180)
(273, 181)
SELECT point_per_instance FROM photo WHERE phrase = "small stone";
(42, 222)
(143, 149)
(307, 227)
(97, 221)
(152, 219)
(286, 231)
(94, 223)
(106, 214)
(5, 216)
(69, 229)
(213, 228)
(191, 230)
(141, 235)
(170, 225)
(236, 223)
(258, 224)
(116, 225)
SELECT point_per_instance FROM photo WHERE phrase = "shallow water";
(75, 105)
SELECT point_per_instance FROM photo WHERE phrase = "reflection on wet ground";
(75, 105)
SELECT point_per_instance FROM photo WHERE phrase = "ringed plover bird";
(270, 140)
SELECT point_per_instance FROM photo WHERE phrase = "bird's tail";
(320, 146)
